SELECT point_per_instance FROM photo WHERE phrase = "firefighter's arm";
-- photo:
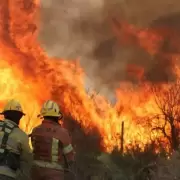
(26, 160)
(68, 149)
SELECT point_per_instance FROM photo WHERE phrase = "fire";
(29, 75)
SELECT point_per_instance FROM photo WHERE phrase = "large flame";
(29, 75)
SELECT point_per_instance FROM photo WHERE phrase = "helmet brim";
(42, 116)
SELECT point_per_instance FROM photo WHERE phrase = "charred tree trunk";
(174, 137)
(122, 137)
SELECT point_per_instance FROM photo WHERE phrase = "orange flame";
(28, 74)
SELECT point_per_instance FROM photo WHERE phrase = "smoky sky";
(82, 30)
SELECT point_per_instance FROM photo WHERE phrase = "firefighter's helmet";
(13, 105)
(51, 108)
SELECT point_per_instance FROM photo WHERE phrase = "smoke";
(82, 30)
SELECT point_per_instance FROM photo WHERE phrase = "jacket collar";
(7, 120)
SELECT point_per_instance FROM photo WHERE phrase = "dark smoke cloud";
(161, 69)
(82, 29)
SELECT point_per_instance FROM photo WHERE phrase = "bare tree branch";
(167, 100)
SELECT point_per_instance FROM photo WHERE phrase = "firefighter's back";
(52, 148)
(10, 155)
(15, 152)
(47, 144)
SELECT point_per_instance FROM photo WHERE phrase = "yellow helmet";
(51, 108)
(13, 105)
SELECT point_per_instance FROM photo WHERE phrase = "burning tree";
(167, 98)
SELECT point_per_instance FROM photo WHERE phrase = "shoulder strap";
(7, 128)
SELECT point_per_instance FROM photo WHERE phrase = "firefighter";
(52, 148)
(15, 153)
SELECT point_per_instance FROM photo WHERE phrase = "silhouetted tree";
(167, 99)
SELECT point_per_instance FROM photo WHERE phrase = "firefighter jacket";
(52, 146)
(15, 153)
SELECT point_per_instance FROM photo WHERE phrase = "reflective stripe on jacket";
(51, 144)
(18, 143)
